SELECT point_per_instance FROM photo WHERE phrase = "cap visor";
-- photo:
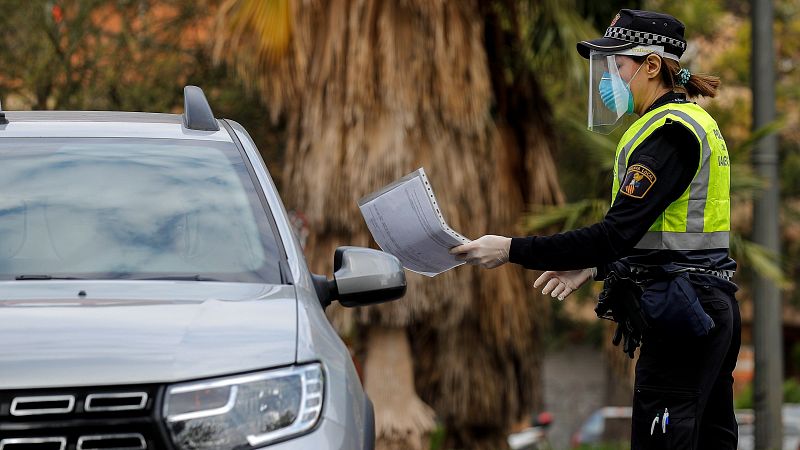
(603, 45)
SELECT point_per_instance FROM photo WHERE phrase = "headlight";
(244, 411)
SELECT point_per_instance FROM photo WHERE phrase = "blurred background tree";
(128, 55)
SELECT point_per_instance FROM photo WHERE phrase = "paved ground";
(574, 386)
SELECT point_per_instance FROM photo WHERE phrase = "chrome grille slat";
(100, 440)
(82, 418)
(18, 405)
(22, 443)
(139, 401)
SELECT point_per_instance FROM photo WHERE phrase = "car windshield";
(131, 209)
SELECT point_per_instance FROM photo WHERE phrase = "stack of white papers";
(405, 220)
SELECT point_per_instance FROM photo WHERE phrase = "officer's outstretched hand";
(562, 283)
(488, 251)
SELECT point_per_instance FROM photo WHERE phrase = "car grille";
(107, 418)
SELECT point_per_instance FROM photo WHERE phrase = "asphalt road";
(574, 386)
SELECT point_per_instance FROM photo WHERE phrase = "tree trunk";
(402, 420)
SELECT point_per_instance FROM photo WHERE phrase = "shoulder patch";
(638, 181)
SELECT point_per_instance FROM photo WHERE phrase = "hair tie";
(683, 76)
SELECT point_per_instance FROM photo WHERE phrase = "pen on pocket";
(653, 425)
(665, 421)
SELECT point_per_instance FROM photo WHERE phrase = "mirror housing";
(362, 276)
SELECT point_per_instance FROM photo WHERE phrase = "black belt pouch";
(672, 306)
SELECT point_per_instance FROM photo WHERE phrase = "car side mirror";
(362, 276)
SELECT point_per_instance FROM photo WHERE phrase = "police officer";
(667, 232)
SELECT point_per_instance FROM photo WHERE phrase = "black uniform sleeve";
(672, 153)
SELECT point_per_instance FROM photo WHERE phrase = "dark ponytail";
(698, 84)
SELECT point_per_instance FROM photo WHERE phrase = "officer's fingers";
(463, 248)
(550, 286)
(558, 290)
(543, 277)
(565, 294)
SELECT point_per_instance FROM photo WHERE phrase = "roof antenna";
(197, 114)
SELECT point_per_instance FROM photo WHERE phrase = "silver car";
(154, 296)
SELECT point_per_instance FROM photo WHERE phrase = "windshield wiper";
(174, 278)
(45, 277)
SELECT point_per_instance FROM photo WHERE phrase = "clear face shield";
(610, 96)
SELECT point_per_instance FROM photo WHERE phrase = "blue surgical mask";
(623, 91)
(607, 92)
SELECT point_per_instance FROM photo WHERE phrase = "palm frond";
(746, 146)
(745, 184)
(551, 40)
(762, 260)
(598, 148)
(252, 34)
(566, 217)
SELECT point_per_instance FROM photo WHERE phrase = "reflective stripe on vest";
(700, 218)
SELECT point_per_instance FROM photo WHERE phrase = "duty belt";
(724, 274)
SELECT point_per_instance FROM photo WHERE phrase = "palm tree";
(370, 90)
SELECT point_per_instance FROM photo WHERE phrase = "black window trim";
(286, 273)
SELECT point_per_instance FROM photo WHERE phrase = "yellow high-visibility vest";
(701, 218)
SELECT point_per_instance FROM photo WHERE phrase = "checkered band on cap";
(642, 37)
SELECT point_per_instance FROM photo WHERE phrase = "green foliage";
(548, 32)
(745, 183)
(794, 359)
(128, 55)
(733, 66)
(437, 438)
(600, 14)
(744, 400)
(698, 16)
(569, 216)
(791, 394)
(759, 259)
(790, 167)
(565, 330)
(791, 391)
(95, 54)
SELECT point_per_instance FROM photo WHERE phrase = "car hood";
(126, 332)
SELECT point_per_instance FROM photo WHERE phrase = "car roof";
(103, 124)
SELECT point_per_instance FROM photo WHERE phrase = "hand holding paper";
(488, 251)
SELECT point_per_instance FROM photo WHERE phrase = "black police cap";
(632, 27)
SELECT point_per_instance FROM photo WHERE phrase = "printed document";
(405, 220)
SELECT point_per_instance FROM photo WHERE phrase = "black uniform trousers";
(683, 393)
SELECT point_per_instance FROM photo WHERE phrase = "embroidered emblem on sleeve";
(638, 181)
